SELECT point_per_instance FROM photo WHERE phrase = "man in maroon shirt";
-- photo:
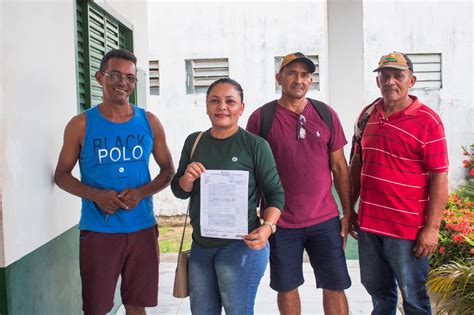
(399, 169)
(307, 152)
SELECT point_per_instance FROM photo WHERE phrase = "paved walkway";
(311, 298)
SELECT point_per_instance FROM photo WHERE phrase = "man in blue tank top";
(113, 142)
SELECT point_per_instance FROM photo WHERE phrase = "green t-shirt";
(241, 151)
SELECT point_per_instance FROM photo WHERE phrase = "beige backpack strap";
(189, 202)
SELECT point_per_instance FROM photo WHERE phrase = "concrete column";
(345, 59)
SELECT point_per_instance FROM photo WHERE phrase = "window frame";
(206, 71)
(154, 76)
(429, 60)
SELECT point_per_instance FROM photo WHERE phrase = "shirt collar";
(411, 110)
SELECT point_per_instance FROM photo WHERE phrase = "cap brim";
(304, 60)
(399, 67)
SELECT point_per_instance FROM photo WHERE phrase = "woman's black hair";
(232, 82)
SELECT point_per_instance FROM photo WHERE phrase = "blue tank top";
(115, 156)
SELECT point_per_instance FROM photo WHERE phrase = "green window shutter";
(82, 59)
(97, 48)
(97, 33)
(125, 41)
(121, 38)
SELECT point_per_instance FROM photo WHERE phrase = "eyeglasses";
(117, 77)
(300, 131)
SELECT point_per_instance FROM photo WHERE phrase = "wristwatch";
(270, 224)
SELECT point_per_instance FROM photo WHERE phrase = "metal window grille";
(313, 58)
(200, 73)
(427, 68)
(154, 67)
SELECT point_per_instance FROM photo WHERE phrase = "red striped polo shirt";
(399, 152)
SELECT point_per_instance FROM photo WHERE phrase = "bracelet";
(271, 225)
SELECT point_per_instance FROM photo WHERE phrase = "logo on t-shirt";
(235, 159)
(128, 148)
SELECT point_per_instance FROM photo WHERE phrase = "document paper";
(224, 204)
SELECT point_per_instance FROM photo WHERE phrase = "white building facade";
(347, 38)
(46, 78)
(46, 70)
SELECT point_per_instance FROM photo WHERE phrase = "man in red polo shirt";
(399, 170)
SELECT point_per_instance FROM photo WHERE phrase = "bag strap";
(266, 118)
(268, 112)
(359, 127)
(189, 202)
(325, 114)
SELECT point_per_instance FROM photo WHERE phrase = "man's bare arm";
(427, 239)
(74, 133)
(342, 183)
(355, 169)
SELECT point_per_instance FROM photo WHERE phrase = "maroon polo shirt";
(303, 165)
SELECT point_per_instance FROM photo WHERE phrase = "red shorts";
(104, 256)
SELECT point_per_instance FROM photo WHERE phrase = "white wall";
(434, 27)
(356, 35)
(39, 98)
(38, 55)
(250, 35)
(2, 133)
(346, 61)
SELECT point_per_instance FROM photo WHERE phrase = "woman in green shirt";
(226, 272)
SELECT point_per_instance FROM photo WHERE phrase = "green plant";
(172, 246)
(453, 285)
(467, 190)
(456, 234)
(170, 237)
(468, 162)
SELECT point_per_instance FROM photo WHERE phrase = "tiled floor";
(311, 298)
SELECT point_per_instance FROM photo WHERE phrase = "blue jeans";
(384, 262)
(227, 276)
